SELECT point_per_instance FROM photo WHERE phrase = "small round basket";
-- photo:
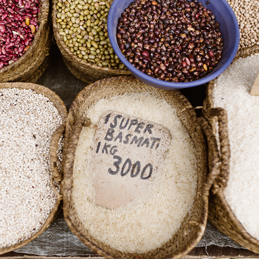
(86, 72)
(31, 66)
(56, 174)
(220, 213)
(194, 224)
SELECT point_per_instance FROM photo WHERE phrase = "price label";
(128, 154)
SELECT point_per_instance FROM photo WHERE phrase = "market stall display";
(136, 180)
(29, 159)
(25, 40)
(233, 202)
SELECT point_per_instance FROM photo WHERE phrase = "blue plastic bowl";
(228, 26)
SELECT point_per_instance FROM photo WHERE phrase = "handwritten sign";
(128, 154)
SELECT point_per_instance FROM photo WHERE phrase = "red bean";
(211, 54)
(145, 53)
(2, 28)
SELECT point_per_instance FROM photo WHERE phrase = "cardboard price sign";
(128, 153)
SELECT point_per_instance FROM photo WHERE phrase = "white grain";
(27, 121)
(232, 94)
(153, 218)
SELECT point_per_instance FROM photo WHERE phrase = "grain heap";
(83, 27)
(247, 13)
(232, 93)
(27, 122)
(153, 218)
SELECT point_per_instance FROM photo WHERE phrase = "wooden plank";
(221, 252)
(198, 252)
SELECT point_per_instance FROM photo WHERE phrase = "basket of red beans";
(25, 39)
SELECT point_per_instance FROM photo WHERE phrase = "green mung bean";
(83, 27)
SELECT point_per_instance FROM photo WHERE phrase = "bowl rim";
(165, 84)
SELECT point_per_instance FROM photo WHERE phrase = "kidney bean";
(15, 34)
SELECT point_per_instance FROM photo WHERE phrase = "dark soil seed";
(176, 41)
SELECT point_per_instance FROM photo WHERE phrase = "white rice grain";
(152, 219)
(232, 94)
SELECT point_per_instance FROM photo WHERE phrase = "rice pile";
(232, 94)
(27, 122)
(153, 218)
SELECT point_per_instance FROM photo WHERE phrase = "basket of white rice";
(30, 161)
(232, 114)
(135, 171)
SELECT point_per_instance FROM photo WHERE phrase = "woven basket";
(56, 175)
(220, 214)
(86, 72)
(34, 62)
(193, 226)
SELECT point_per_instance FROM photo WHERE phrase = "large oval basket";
(31, 66)
(220, 213)
(86, 72)
(193, 226)
(56, 175)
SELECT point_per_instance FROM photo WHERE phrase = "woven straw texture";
(34, 62)
(86, 72)
(56, 175)
(220, 214)
(194, 224)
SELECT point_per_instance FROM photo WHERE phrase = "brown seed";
(187, 61)
(33, 29)
(163, 67)
(192, 70)
(190, 29)
(26, 48)
(27, 21)
(205, 67)
(154, 3)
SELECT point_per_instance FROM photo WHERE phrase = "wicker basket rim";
(68, 173)
(43, 20)
(64, 48)
(63, 113)
(243, 53)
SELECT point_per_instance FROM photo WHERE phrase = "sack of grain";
(119, 199)
(232, 114)
(32, 64)
(32, 121)
(87, 53)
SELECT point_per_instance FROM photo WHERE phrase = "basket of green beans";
(80, 29)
